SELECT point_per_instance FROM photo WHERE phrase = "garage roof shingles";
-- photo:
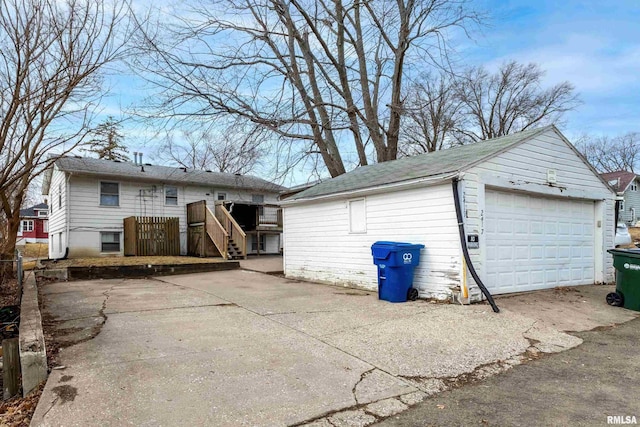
(109, 168)
(425, 165)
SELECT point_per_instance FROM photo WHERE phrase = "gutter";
(435, 179)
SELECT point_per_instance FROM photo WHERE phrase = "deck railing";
(270, 215)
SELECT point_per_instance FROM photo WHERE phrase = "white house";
(626, 184)
(538, 214)
(89, 199)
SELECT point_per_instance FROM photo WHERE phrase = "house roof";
(437, 163)
(32, 210)
(619, 180)
(124, 170)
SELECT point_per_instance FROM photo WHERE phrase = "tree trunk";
(8, 247)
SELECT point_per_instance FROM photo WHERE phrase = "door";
(537, 242)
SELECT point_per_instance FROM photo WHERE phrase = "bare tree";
(432, 113)
(327, 75)
(511, 100)
(233, 151)
(106, 141)
(51, 57)
(612, 154)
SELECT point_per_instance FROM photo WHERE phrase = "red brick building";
(34, 225)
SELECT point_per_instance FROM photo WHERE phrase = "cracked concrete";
(244, 348)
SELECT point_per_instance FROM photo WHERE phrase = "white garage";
(535, 215)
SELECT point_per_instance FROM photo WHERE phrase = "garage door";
(537, 243)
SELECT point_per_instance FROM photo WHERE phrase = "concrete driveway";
(246, 348)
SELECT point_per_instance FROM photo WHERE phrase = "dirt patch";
(17, 412)
(9, 292)
(135, 260)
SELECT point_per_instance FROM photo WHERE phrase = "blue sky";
(593, 44)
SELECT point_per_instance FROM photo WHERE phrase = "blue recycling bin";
(396, 262)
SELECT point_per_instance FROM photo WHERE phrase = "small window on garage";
(357, 216)
(171, 196)
(110, 242)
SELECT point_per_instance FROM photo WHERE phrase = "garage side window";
(357, 216)
(109, 194)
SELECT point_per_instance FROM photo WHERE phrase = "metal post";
(19, 271)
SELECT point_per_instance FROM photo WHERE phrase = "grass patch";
(34, 250)
(133, 260)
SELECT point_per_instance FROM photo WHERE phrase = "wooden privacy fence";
(151, 236)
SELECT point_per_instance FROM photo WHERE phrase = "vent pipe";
(140, 157)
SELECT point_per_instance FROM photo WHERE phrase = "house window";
(222, 196)
(171, 196)
(621, 207)
(254, 243)
(634, 186)
(42, 213)
(357, 216)
(109, 194)
(45, 226)
(110, 242)
(27, 225)
(60, 196)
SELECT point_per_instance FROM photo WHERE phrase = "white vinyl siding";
(630, 206)
(88, 218)
(57, 216)
(319, 246)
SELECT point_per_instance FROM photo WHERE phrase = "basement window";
(357, 216)
(109, 242)
(171, 196)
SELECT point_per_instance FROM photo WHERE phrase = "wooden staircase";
(233, 251)
(220, 228)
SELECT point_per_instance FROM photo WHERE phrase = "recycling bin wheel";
(412, 294)
(615, 299)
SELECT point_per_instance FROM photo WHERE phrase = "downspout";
(465, 251)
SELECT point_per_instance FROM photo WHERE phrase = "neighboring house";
(539, 214)
(89, 199)
(626, 184)
(34, 225)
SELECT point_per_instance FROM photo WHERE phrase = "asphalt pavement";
(579, 387)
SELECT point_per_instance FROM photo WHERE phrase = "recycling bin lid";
(397, 244)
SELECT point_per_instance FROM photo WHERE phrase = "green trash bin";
(627, 264)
